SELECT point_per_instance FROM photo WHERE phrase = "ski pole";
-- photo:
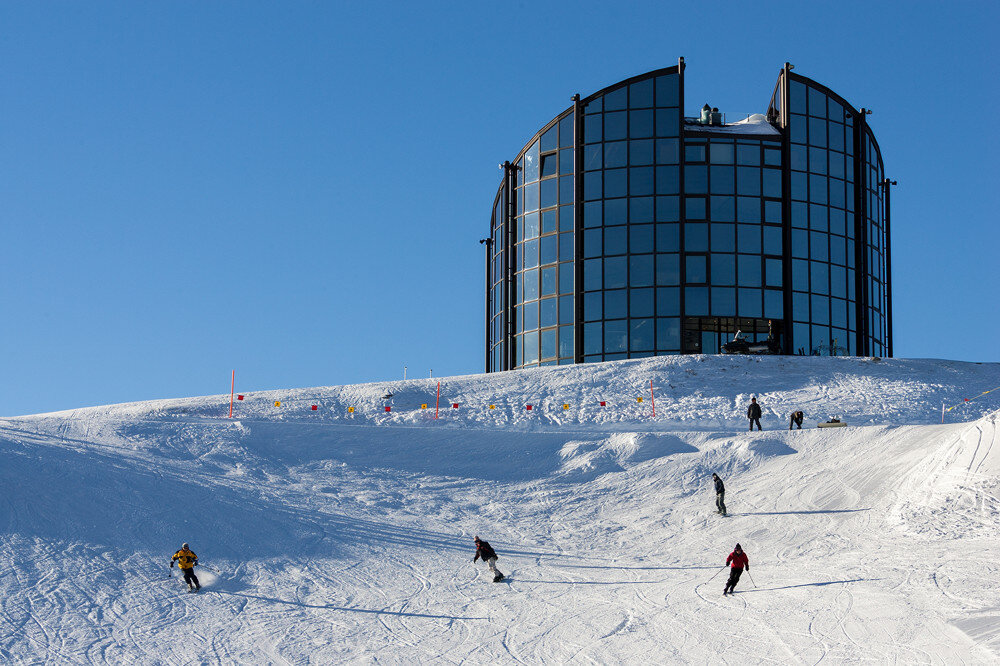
(716, 573)
(751, 578)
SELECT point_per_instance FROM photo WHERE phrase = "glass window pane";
(640, 238)
(667, 122)
(723, 302)
(696, 237)
(667, 93)
(615, 304)
(723, 269)
(615, 125)
(548, 222)
(668, 209)
(723, 237)
(641, 270)
(592, 128)
(615, 154)
(773, 240)
(616, 99)
(774, 304)
(531, 163)
(694, 208)
(548, 307)
(530, 226)
(566, 130)
(640, 210)
(721, 153)
(820, 277)
(614, 240)
(747, 180)
(549, 282)
(748, 209)
(566, 313)
(566, 342)
(549, 192)
(696, 301)
(723, 180)
(615, 336)
(641, 302)
(818, 246)
(749, 270)
(668, 269)
(817, 132)
(748, 238)
(530, 312)
(593, 306)
(592, 342)
(694, 152)
(772, 157)
(593, 156)
(696, 179)
(723, 208)
(667, 151)
(615, 212)
(751, 303)
(772, 183)
(668, 334)
(640, 124)
(566, 161)
(592, 273)
(615, 183)
(640, 152)
(548, 249)
(548, 339)
(773, 270)
(567, 275)
(566, 219)
(641, 335)
(772, 212)
(640, 94)
(668, 301)
(531, 348)
(531, 253)
(615, 272)
(640, 181)
(696, 269)
(668, 180)
(668, 237)
(748, 155)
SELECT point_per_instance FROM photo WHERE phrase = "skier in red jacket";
(737, 561)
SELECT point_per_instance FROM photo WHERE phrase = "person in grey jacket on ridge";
(720, 494)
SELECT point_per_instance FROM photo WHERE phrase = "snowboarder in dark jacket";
(187, 561)
(485, 551)
(796, 420)
(737, 561)
(753, 413)
(720, 494)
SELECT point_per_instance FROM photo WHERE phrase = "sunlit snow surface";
(347, 537)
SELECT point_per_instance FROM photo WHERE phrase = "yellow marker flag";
(639, 398)
(350, 410)
(565, 406)
(277, 403)
(493, 406)
(423, 406)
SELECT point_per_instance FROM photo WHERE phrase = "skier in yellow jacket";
(187, 561)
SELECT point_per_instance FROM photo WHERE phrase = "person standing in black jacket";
(753, 413)
(485, 551)
(720, 494)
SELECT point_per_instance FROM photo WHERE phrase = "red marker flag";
(529, 408)
(388, 408)
(454, 405)
(602, 403)
(315, 408)
(239, 397)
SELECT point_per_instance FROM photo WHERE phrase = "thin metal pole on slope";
(942, 413)
(651, 398)
(437, 403)
(232, 390)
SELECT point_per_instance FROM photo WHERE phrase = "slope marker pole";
(437, 403)
(232, 390)
(942, 413)
(651, 398)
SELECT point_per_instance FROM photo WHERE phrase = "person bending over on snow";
(737, 561)
(753, 413)
(720, 494)
(485, 551)
(187, 561)
(796, 420)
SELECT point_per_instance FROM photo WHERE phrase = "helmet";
(184, 545)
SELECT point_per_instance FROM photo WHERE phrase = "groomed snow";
(753, 124)
(328, 536)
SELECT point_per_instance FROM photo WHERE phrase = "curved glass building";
(623, 230)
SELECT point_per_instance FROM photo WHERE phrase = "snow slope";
(331, 536)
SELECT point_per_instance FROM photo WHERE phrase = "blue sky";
(296, 190)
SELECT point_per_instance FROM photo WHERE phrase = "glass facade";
(624, 230)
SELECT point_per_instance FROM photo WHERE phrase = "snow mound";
(335, 536)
